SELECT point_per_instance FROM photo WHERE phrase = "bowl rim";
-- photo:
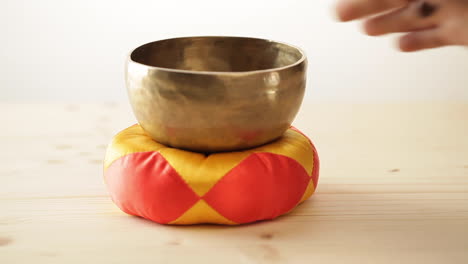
(303, 58)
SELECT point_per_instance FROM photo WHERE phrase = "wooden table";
(393, 189)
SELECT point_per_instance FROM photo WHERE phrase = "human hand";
(428, 23)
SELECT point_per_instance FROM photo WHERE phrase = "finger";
(406, 19)
(354, 9)
(426, 39)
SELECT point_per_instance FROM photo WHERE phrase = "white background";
(74, 51)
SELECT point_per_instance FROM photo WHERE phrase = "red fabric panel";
(144, 184)
(263, 186)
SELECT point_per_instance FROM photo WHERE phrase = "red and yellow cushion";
(173, 186)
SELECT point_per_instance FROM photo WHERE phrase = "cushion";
(174, 186)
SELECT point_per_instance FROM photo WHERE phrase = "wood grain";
(393, 189)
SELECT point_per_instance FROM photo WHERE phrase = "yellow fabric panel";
(130, 140)
(199, 171)
(309, 191)
(201, 212)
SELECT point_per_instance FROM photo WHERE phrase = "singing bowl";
(215, 94)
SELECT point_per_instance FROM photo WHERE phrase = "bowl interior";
(217, 54)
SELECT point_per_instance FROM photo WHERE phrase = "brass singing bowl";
(215, 94)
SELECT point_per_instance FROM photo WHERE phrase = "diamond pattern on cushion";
(165, 184)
